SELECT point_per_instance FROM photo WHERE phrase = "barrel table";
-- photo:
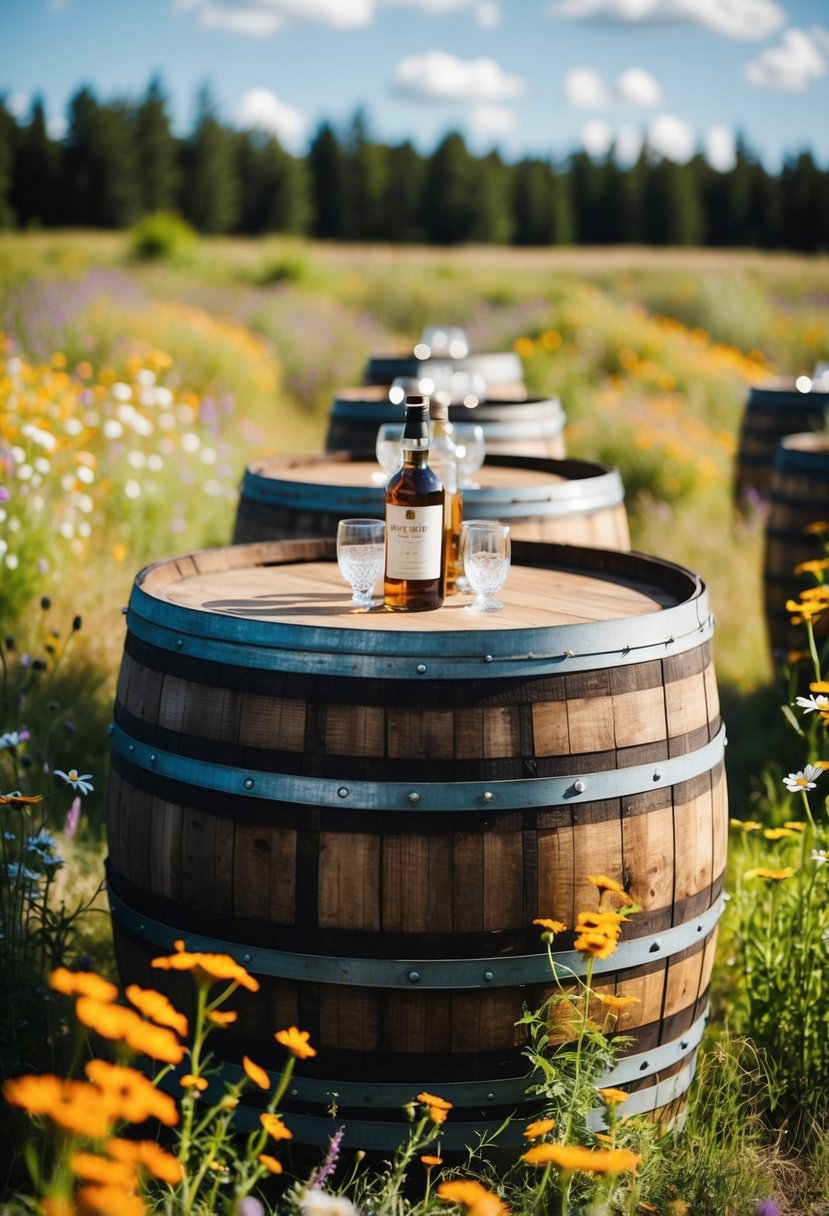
(513, 425)
(368, 810)
(774, 409)
(567, 501)
(502, 371)
(798, 496)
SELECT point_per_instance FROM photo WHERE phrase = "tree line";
(121, 160)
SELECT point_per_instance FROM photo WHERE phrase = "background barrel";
(799, 496)
(502, 370)
(518, 426)
(576, 502)
(773, 410)
(368, 810)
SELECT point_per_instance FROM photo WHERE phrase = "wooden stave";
(773, 410)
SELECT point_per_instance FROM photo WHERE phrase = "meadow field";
(133, 393)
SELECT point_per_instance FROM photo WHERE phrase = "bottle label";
(414, 536)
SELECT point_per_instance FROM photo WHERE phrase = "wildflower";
(608, 884)
(222, 1017)
(746, 825)
(250, 1206)
(804, 780)
(105, 1200)
(599, 945)
(82, 782)
(270, 1163)
(274, 1126)
(17, 800)
(431, 1100)
(767, 1207)
(108, 1020)
(770, 875)
(609, 923)
(316, 1202)
(429, 1161)
(149, 1155)
(256, 1074)
(616, 1002)
(813, 566)
(613, 1097)
(82, 983)
(100, 1169)
(816, 529)
(813, 704)
(206, 968)
(189, 1081)
(437, 1114)
(476, 1198)
(795, 825)
(155, 1005)
(778, 833)
(131, 1093)
(157, 1042)
(73, 1105)
(296, 1042)
(552, 926)
(539, 1128)
(569, 1157)
(819, 857)
(13, 738)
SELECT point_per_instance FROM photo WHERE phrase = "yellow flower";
(149, 1155)
(815, 566)
(133, 1096)
(539, 1128)
(524, 347)
(475, 1198)
(608, 884)
(778, 833)
(108, 1020)
(770, 875)
(270, 1163)
(92, 1168)
(274, 1126)
(570, 1157)
(438, 1114)
(746, 825)
(599, 945)
(795, 825)
(613, 1097)
(817, 528)
(207, 969)
(552, 926)
(57, 1205)
(155, 1006)
(296, 1042)
(82, 983)
(256, 1074)
(188, 1081)
(616, 1002)
(609, 923)
(157, 1042)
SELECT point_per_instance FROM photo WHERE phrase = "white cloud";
(585, 89)
(17, 105)
(439, 76)
(488, 14)
(492, 121)
(260, 18)
(793, 65)
(57, 127)
(261, 110)
(720, 148)
(671, 138)
(597, 137)
(749, 19)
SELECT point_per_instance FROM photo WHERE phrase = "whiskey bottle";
(415, 498)
(443, 459)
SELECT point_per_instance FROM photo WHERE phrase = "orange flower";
(82, 983)
(157, 1042)
(609, 884)
(274, 1126)
(539, 1128)
(270, 1163)
(73, 1105)
(552, 926)
(613, 1097)
(431, 1100)
(133, 1096)
(108, 1020)
(609, 923)
(430, 1161)
(188, 1081)
(296, 1041)
(155, 1006)
(256, 1074)
(207, 969)
(17, 800)
(222, 1017)
(149, 1155)
(475, 1198)
(104, 1200)
(597, 944)
(570, 1157)
(57, 1205)
(437, 1114)
(92, 1168)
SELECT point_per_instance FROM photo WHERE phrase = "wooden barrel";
(574, 502)
(368, 810)
(501, 370)
(799, 496)
(773, 410)
(516, 426)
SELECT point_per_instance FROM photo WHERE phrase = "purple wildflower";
(331, 1158)
(767, 1207)
(73, 817)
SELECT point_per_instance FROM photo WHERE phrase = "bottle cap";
(438, 408)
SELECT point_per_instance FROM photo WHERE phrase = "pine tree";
(99, 168)
(448, 199)
(36, 185)
(403, 194)
(157, 152)
(8, 139)
(366, 175)
(276, 189)
(328, 184)
(210, 197)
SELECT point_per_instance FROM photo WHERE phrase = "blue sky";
(528, 77)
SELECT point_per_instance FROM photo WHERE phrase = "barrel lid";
(283, 606)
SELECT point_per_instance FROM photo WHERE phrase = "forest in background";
(120, 160)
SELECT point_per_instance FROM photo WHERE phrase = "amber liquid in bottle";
(415, 535)
(443, 460)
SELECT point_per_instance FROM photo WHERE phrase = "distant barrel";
(773, 410)
(501, 370)
(520, 426)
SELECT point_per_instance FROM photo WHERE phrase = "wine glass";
(485, 553)
(388, 449)
(361, 554)
(470, 449)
